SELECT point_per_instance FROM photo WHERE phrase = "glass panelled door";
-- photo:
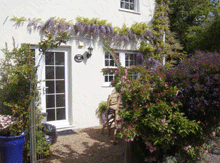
(54, 89)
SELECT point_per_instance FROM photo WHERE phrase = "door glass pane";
(49, 72)
(50, 101)
(50, 114)
(60, 100)
(60, 86)
(50, 87)
(59, 58)
(61, 114)
(49, 58)
(59, 72)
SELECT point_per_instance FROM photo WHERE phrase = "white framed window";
(127, 59)
(129, 5)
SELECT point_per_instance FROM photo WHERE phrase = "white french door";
(53, 76)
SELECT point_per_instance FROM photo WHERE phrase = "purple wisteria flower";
(49, 23)
(72, 30)
(108, 30)
(87, 27)
(139, 58)
(125, 38)
(112, 30)
(135, 36)
(130, 33)
(79, 26)
(102, 29)
(96, 29)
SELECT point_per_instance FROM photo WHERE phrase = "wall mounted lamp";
(89, 54)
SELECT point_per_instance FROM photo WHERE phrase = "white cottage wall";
(86, 82)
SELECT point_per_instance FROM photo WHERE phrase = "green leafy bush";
(152, 118)
(198, 78)
(17, 89)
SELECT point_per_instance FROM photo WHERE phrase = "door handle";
(44, 90)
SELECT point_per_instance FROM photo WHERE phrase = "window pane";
(50, 114)
(60, 86)
(60, 100)
(59, 72)
(132, 1)
(126, 63)
(50, 101)
(106, 78)
(112, 63)
(50, 85)
(107, 63)
(49, 58)
(132, 6)
(49, 72)
(126, 5)
(59, 58)
(61, 114)
(111, 78)
(106, 56)
(122, 5)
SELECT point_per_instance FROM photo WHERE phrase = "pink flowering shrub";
(151, 117)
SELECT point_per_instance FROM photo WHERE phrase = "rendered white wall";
(86, 79)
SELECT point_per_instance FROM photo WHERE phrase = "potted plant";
(11, 143)
(101, 110)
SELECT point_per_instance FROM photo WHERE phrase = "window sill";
(107, 85)
(129, 11)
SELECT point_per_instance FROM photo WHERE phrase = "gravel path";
(87, 146)
(90, 146)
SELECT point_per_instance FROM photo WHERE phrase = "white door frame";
(40, 62)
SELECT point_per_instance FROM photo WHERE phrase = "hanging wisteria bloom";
(49, 23)
(102, 29)
(87, 27)
(72, 30)
(139, 58)
(125, 38)
(112, 30)
(108, 30)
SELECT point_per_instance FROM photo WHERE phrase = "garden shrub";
(152, 118)
(17, 89)
(198, 78)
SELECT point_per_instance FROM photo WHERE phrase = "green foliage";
(19, 21)
(139, 28)
(52, 41)
(95, 21)
(207, 39)
(18, 85)
(187, 18)
(102, 108)
(152, 117)
(198, 78)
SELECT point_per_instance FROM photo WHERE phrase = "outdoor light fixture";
(90, 49)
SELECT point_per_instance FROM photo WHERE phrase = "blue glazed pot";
(11, 148)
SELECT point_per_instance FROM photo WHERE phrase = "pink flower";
(214, 133)
(122, 89)
(177, 92)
